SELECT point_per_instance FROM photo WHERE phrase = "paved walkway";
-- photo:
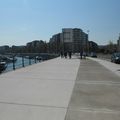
(109, 65)
(96, 94)
(38, 92)
(61, 89)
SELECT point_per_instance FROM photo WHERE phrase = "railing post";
(35, 59)
(29, 61)
(23, 61)
(13, 62)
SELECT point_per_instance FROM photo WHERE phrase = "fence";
(23, 60)
(18, 62)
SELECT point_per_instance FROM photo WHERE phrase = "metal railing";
(23, 60)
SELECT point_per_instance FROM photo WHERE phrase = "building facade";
(118, 44)
(4, 48)
(36, 46)
(54, 43)
(70, 39)
(74, 40)
(67, 39)
(93, 47)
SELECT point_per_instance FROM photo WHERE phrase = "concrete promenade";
(38, 92)
(115, 68)
(96, 94)
(61, 89)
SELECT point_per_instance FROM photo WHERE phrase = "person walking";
(70, 54)
(61, 54)
(81, 54)
(65, 54)
(84, 55)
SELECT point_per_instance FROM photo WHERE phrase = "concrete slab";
(47, 75)
(36, 92)
(92, 115)
(91, 70)
(22, 112)
(109, 65)
(96, 94)
(47, 70)
(41, 91)
(99, 76)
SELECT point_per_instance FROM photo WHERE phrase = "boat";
(8, 59)
(11, 59)
(39, 58)
(3, 66)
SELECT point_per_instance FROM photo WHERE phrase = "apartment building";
(70, 39)
(74, 40)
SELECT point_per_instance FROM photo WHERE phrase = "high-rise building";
(67, 39)
(74, 40)
(71, 39)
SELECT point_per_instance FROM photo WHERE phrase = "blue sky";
(22, 21)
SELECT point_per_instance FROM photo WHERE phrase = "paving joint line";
(43, 79)
(95, 110)
(99, 83)
(31, 105)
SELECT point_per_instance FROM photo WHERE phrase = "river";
(18, 64)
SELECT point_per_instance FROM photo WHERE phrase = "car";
(115, 57)
(93, 54)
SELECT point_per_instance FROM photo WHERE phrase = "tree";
(111, 47)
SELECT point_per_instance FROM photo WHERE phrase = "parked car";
(93, 54)
(115, 57)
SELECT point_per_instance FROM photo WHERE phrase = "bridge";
(62, 89)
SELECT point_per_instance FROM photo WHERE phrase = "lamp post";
(88, 41)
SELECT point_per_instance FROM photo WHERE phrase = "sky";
(22, 21)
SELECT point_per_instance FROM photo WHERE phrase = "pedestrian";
(61, 54)
(84, 55)
(81, 54)
(70, 54)
(65, 54)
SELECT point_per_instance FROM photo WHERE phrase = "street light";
(88, 41)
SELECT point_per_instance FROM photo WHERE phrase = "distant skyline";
(22, 21)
